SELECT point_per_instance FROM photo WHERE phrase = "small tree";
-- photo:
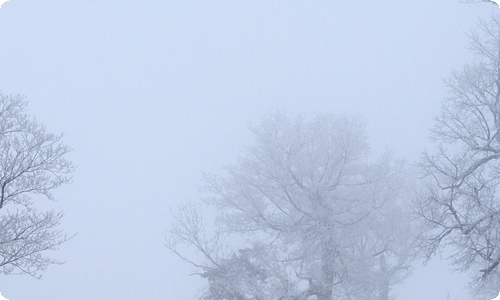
(300, 201)
(32, 162)
(462, 208)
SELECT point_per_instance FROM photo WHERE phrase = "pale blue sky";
(150, 94)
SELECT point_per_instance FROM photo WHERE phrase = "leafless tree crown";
(304, 213)
(32, 162)
(462, 207)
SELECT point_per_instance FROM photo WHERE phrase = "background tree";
(462, 208)
(385, 245)
(32, 164)
(299, 203)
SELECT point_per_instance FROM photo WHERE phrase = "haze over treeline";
(307, 212)
(333, 190)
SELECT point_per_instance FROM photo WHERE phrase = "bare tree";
(386, 244)
(32, 164)
(462, 208)
(298, 203)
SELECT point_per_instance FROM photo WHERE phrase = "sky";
(151, 94)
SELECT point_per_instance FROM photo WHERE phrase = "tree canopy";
(317, 215)
(32, 163)
(462, 206)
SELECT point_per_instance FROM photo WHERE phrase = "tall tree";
(300, 201)
(462, 208)
(32, 164)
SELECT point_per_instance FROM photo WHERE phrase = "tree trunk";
(327, 269)
(383, 288)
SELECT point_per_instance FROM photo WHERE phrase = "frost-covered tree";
(462, 208)
(312, 211)
(385, 246)
(32, 164)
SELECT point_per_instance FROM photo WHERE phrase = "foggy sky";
(150, 94)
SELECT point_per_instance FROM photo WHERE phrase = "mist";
(151, 95)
